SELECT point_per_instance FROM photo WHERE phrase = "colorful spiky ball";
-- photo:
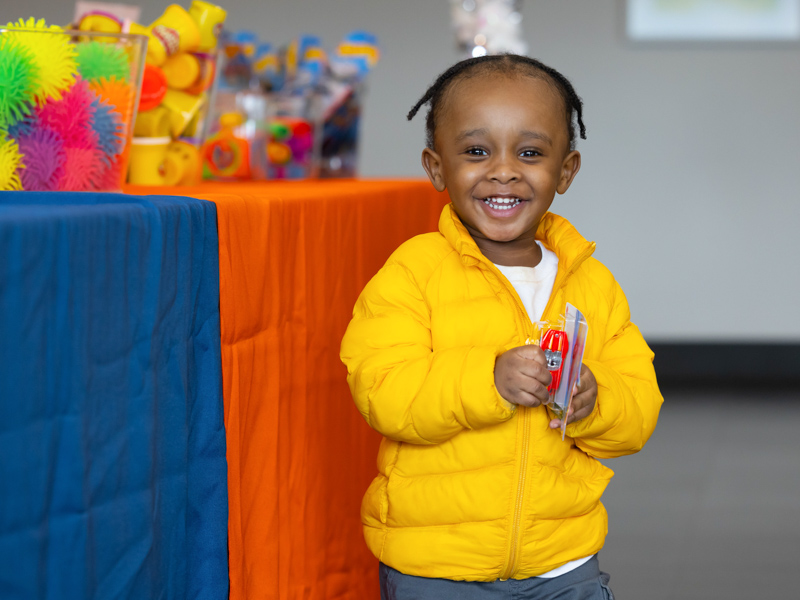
(97, 60)
(82, 168)
(44, 156)
(66, 106)
(117, 93)
(10, 163)
(108, 127)
(18, 74)
(23, 127)
(71, 116)
(110, 176)
(53, 54)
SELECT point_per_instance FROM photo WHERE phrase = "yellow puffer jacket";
(470, 487)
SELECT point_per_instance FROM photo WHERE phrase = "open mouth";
(499, 203)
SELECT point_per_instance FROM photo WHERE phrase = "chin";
(501, 236)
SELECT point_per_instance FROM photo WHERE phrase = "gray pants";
(587, 582)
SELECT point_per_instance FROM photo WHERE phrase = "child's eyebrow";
(525, 133)
(536, 135)
(471, 133)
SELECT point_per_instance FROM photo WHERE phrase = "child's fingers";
(579, 387)
(556, 423)
(525, 398)
(536, 371)
(534, 387)
(532, 353)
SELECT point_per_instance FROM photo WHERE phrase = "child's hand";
(521, 376)
(583, 399)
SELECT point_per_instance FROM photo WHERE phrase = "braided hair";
(506, 64)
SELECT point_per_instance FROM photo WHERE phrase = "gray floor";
(711, 507)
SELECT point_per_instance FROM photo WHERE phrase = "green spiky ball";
(97, 60)
(18, 75)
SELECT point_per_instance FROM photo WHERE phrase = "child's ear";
(432, 163)
(569, 168)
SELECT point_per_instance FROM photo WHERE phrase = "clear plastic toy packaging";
(289, 112)
(563, 342)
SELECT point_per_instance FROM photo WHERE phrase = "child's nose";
(504, 169)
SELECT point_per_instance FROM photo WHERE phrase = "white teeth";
(502, 203)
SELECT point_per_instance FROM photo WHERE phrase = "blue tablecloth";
(112, 444)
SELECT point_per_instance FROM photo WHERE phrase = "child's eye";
(530, 153)
(476, 151)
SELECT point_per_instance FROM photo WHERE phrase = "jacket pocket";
(604, 579)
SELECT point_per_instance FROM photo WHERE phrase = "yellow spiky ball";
(10, 161)
(53, 54)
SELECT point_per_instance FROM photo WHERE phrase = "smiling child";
(477, 495)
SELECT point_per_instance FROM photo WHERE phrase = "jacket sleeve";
(403, 388)
(628, 398)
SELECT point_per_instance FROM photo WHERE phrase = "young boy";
(477, 495)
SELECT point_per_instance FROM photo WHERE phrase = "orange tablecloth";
(293, 258)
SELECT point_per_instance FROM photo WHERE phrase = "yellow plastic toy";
(181, 46)
(182, 164)
(147, 160)
(173, 32)
(181, 70)
(182, 109)
(100, 21)
(152, 123)
(209, 19)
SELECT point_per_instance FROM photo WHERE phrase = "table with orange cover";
(293, 257)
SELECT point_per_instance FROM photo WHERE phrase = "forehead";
(500, 100)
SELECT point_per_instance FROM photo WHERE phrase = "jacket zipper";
(523, 469)
(525, 417)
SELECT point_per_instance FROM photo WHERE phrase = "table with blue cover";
(112, 444)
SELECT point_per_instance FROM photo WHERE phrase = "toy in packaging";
(262, 136)
(300, 106)
(225, 155)
(563, 343)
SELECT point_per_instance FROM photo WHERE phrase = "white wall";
(690, 174)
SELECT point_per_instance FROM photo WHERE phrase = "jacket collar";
(555, 232)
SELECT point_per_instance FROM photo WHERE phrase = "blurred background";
(690, 176)
(689, 186)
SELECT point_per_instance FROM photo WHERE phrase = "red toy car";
(554, 344)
